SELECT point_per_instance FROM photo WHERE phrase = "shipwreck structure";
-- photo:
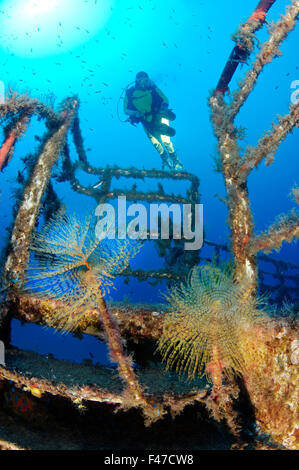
(257, 410)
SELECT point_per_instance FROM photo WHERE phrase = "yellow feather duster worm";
(71, 264)
(201, 330)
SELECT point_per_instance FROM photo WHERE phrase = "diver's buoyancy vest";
(144, 101)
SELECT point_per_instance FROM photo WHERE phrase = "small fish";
(20, 178)
(97, 185)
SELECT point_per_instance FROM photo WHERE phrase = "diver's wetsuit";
(149, 102)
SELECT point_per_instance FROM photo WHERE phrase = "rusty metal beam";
(28, 212)
(134, 322)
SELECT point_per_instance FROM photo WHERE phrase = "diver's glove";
(135, 117)
(137, 114)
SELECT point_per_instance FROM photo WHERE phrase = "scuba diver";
(145, 103)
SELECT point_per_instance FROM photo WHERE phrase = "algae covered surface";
(156, 380)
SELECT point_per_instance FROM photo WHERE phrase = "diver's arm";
(161, 94)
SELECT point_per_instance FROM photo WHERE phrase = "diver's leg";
(157, 143)
(166, 139)
(176, 164)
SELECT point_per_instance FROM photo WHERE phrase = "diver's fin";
(168, 114)
(163, 129)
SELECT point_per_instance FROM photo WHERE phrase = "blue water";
(94, 49)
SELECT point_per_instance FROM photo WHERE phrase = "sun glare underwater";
(31, 25)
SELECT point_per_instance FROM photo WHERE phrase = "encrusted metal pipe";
(28, 212)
